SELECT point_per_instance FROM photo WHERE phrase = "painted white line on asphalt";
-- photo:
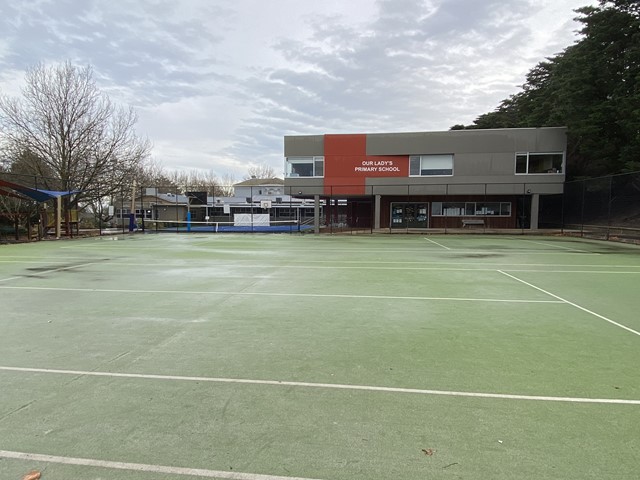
(336, 386)
(278, 294)
(573, 304)
(141, 467)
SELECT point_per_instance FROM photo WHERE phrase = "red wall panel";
(347, 165)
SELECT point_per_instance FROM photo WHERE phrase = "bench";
(466, 222)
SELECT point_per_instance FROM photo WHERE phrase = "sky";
(217, 84)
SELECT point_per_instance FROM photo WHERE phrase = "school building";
(454, 179)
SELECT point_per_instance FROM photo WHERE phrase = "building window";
(471, 209)
(305, 166)
(144, 213)
(422, 165)
(537, 163)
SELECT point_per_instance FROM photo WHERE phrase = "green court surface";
(271, 357)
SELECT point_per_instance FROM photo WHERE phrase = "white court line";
(353, 250)
(279, 294)
(336, 386)
(482, 267)
(61, 269)
(575, 271)
(305, 263)
(44, 272)
(439, 244)
(8, 279)
(141, 467)
(417, 262)
(557, 246)
(45, 258)
(573, 304)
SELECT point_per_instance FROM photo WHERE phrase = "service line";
(278, 294)
(336, 386)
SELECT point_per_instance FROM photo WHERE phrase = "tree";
(200, 180)
(592, 87)
(74, 136)
(260, 171)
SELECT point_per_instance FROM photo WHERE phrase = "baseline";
(142, 467)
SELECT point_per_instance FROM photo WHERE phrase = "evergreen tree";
(592, 87)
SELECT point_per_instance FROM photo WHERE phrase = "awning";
(37, 194)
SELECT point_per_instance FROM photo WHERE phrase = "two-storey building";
(459, 178)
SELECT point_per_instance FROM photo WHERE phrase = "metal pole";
(609, 211)
(582, 210)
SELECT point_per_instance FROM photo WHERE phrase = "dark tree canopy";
(592, 87)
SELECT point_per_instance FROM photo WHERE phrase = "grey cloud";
(156, 52)
(409, 65)
(412, 68)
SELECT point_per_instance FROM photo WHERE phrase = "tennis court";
(272, 357)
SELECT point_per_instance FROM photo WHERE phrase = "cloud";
(218, 84)
(416, 65)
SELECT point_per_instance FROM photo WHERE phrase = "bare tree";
(200, 180)
(72, 132)
(226, 185)
(260, 171)
(153, 174)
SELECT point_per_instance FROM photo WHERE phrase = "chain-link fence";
(603, 208)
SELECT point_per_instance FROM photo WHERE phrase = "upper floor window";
(305, 166)
(420, 165)
(531, 162)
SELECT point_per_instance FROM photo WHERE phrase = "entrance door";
(409, 215)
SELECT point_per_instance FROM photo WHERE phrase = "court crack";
(16, 410)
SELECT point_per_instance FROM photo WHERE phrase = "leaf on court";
(33, 475)
(428, 451)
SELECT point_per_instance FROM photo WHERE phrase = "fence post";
(564, 194)
(609, 206)
(582, 209)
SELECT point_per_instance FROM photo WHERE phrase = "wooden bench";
(467, 222)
